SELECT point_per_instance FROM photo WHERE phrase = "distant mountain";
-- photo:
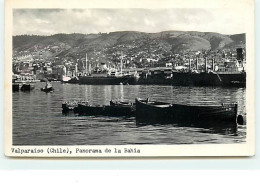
(167, 41)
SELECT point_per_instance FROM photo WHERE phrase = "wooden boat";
(72, 106)
(47, 89)
(27, 87)
(121, 103)
(90, 110)
(118, 111)
(121, 108)
(68, 106)
(114, 109)
(160, 112)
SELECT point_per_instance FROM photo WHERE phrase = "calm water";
(38, 118)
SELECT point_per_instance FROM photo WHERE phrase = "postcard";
(129, 78)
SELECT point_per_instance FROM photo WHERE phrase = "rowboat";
(120, 108)
(48, 89)
(121, 103)
(164, 113)
(115, 109)
(72, 106)
(90, 110)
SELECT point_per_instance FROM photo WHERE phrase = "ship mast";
(76, 68)
(189, 64)
(86, 65)
(121, 65)
(206, 67)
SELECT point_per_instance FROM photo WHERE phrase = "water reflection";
(38, 120)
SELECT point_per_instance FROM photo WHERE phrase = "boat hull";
(27, 87)
(107, 110)
(152, 114)
(69, 107)
(89, 110)
(50, 89)
(209, 79)
(186, 115)
(88, 80)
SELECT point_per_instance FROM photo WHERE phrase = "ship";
(106, 76)
(155, 76)
(227, 73)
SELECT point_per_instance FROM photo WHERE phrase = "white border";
(246, 149)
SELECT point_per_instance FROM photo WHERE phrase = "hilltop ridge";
(76, 44)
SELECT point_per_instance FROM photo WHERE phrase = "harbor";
(49, 126)
(203, 95)
(115, 87)
(197, 72)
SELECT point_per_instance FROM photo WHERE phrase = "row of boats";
(29, 87)
(154, 112)
(22, 87)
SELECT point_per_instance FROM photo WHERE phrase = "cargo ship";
(155, 76)
(106, 76)
(227, 73)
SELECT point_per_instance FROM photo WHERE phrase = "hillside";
(73, 45)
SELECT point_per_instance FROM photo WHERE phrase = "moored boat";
(114, 109)
(152, 112)
(120, 108)
(162, 113)
(121, 103)
(72, 106)
(90, 110)
(27, 87)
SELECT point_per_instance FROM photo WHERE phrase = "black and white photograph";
(132, 78)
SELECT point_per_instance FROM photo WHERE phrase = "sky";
(53, 21)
